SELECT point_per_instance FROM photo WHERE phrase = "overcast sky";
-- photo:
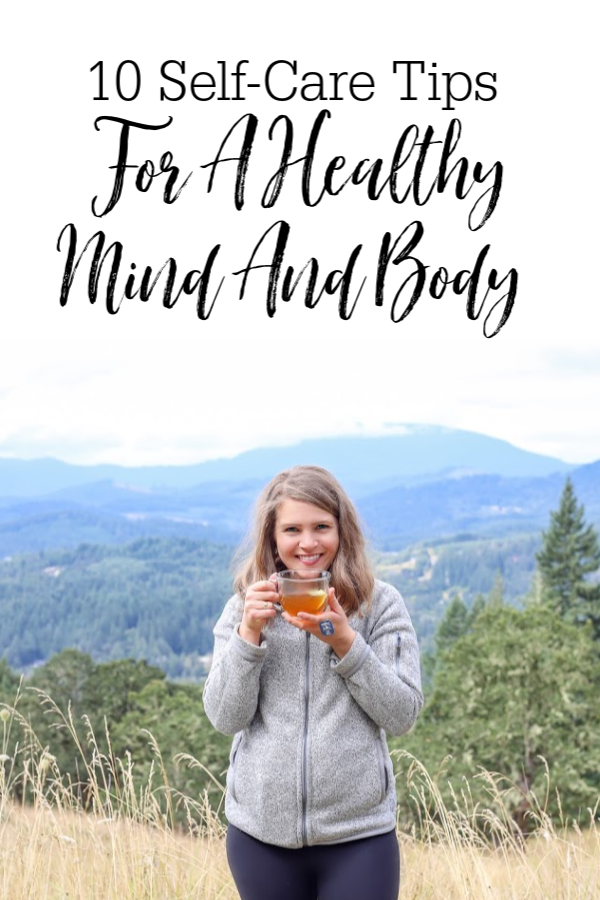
(150, 385)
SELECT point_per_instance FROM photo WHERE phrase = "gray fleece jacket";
(309, 762)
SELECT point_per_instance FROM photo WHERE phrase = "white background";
(153, 385)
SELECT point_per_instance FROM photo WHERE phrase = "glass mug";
(303, 594)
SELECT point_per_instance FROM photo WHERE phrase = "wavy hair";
(257, 558)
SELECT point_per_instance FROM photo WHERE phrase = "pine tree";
(453, 625)
(570, 552)
(496, 595)
(477, 607)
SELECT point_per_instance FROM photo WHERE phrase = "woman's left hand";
(331, 627)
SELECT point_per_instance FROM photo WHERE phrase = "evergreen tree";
(535, 594)
(477, 607)
(496, 595)
(453, 625)
(9, 681)
(570, 552)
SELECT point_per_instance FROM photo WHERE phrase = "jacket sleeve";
(231, 689)
(382, 670)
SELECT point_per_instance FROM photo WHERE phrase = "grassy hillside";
(122, 845)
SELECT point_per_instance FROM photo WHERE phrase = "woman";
(311, 798)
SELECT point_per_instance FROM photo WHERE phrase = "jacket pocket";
(235, 749)
(397, 652)
(383, 774)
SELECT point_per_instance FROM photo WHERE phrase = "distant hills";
(478, 504)
(426, 483)
(420, 452)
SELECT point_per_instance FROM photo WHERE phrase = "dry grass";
(49, 854)
(465, 851)
(124, 845)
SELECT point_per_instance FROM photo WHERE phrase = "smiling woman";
(311, 797)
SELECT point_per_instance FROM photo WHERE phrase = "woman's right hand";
(258, 608)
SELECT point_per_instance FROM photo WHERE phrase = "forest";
(158, 598)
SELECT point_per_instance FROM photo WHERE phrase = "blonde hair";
(257, 559)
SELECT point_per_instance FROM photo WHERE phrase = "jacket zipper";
(305, 744)
(398, 649)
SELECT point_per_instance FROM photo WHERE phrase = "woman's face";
(307, 537)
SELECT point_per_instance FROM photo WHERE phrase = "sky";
(152, 385)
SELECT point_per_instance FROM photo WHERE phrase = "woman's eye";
(323, 526)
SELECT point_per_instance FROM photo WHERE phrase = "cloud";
(573, 362)
(177, 402)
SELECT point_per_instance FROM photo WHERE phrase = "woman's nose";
(308, 539)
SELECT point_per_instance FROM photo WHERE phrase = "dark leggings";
(365, 869)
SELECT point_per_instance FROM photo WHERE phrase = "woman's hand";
(331, 627)
(258, 608)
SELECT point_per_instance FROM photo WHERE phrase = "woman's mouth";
(309, 560)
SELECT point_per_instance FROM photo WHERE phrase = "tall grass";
(467, 849)
(110, 836)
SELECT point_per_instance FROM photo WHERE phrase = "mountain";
(418, 452)
(477, 504)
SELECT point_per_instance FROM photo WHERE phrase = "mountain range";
(418, 452)
(426, 482)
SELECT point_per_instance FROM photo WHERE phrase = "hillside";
(152, 599)
(428, 574)
(158, 599)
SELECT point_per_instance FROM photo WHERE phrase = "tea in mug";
(309, 601)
